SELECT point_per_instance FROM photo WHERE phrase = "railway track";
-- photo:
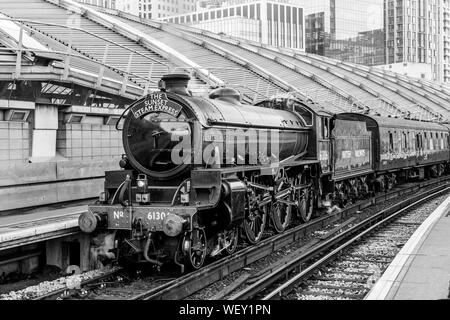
(160, 288)
(346, 265)
(187, 285)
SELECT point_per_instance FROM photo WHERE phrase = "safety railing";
(70, 52)
(24, 25)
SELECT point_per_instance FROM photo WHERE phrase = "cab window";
(325, 128)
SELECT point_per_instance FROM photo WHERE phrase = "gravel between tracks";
(215, 289)
(355, 271)
(46, 287)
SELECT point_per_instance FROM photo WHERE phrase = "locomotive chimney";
(175, 83)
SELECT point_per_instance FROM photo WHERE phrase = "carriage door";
(324, 145)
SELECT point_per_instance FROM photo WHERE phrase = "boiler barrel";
(164, 135)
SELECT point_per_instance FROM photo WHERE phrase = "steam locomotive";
(200, 173)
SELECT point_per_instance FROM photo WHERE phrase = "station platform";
(30, 227)
(421, 270)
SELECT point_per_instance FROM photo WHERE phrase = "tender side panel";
(352, 148)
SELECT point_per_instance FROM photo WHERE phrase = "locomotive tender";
(199, 173)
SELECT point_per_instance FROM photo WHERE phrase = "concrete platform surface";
(421, 270)
(21, 229)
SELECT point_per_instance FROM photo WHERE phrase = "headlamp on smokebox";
(142, 194)
(184, 196)
(102, 196)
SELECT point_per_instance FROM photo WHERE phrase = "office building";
(157, 9)
(148, 9)
(110, 4)
(350, 30)
(418, 32)
(129, 6)
(269, 22)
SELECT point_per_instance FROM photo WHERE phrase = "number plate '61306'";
(156, 215)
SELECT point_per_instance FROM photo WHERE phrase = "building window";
(246, 11)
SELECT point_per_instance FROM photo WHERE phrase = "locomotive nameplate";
(156, 102)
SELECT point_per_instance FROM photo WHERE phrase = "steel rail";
(367, 225)
(195, 281)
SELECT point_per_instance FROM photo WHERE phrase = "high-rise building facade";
(417, 32)
(446, 40)
(269, 22)
(347, 30)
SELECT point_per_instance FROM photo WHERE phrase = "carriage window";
(391, 142)
(397, 142)
(430, 142)
(419, 142)
(438, 145)
(405, 142)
